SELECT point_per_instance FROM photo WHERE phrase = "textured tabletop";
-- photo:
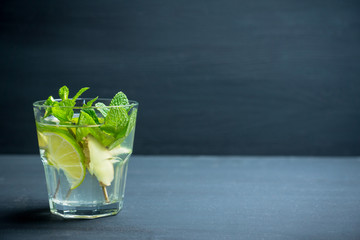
(204, 197)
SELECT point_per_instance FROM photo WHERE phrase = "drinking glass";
(85, 161)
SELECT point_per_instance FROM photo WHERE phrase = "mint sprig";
(62, 109)
(89, 103)
(82, 132)
(117, 121)
(90, 111)
(121, 136)
(119, 99)
(117, 117)
(48, 102)
(64, 92)
(77, 95)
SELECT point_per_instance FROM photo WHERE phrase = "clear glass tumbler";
(86, 159)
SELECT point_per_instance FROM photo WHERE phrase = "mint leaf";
(101, 107)
(77, 95)
(68, 110)
(64, 92)
(121, 136)
(119, 99)
(81, 132)
(63, 111)
(89, 103)
(49, 102)
(116, 120)
(66, 103)
(59, 113)
(91, 112)
(84, 120)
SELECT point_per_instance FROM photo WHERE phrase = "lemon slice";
(64, 153)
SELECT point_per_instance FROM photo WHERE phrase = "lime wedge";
(64, 153)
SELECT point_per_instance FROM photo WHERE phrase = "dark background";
(212, 77)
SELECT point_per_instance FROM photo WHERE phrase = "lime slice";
(65, 154)
(42, 140)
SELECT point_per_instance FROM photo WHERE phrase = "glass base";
(85, 211)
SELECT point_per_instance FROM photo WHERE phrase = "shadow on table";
(33, 216)
(36, 215)
(15, 223)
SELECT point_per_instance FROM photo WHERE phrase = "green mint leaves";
(119, 100)
(116, 117)
(64, 92)
(77, 95)
(48, 102)
(115, 122)
(125, 131)
(62, 110)
(89, 104)
(82, 132)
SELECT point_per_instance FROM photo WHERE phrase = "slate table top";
(198, 197)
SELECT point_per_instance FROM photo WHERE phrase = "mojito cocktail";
(85, 146)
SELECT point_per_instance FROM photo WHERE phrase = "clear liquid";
(89, 199)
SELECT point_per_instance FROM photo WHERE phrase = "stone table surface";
(198, 197)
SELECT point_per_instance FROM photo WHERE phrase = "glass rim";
(40, 103)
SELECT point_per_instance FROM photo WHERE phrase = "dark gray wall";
(212, 77)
